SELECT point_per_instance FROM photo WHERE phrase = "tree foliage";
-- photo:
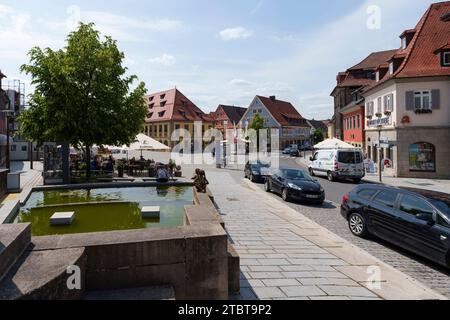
(318, 136)
(82, 95)
(257, 122)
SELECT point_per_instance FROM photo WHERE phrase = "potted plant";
(120, 168)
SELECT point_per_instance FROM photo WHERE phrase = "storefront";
(422, 157)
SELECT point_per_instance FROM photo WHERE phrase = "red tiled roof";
(374, 60)
(420, 57)
(443, 48)
(172, 105)
(433, 33)
(283, 112)
(232, 114)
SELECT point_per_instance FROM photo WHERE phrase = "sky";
(220, 51)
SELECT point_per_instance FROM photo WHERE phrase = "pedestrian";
(162, 175)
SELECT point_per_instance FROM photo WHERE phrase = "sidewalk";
(284, 255)
(428, 184)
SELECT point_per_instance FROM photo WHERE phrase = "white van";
(338, 164)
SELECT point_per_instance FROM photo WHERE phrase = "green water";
(99, 210)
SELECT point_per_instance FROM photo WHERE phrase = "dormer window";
(162, 97)
(446, 58)
(151, 98)
(161, 114)
(163, 103)
(404, 43)
(151, 105)
(391, 68)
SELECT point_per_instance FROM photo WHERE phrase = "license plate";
(310, 196)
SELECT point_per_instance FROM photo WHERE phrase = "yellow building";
(171, 110)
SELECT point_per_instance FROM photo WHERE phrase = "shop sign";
(379, 122)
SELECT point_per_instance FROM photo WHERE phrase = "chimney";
(273, 98)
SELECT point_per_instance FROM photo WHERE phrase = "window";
(414, 205)
(150, 115)
(162, 96)
(386, 198)
(13, 147)
(367, 194)
(177, 126)
(161, 114)
(389, 103)
(254, 111)
(422, 100)
(151, 98)
(24, 148)
(446, 59)
(369, 109)
(422, 157)
(404, 43)
(379, 106)
(354, 122)
(391, 68)
(163, 103)
(151, 105)
(359, 121)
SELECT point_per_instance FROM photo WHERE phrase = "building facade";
(282, 115)
(227, 118)
(408, 109)
(169, 111)
(348, 99)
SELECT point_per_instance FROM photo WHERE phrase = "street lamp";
(380, 161)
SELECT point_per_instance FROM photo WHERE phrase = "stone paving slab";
(280, 248)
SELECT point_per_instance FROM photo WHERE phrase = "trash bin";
(13, 181)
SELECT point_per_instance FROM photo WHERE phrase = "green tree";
(318, 136)
(82, 95)
(257, 124)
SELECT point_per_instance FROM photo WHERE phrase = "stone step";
(14, 239)
(145, 293)
(43, 275)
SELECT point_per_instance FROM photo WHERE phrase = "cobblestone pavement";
(279, 260)
(429, 273)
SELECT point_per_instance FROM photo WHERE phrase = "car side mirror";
(311, 158)
(428, 218)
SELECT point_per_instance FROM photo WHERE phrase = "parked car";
(294, 152)
(257, 171)
(295, 184)
(286, 150)
(338, 164)
(416, 220)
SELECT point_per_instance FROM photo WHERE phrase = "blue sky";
(220, 52)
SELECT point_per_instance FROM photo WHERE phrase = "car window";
(442, 222)
(443, 206)
(414, 205)
(358, 157)
(386, 198)
(367, 193)
(347, 157)
(292, 174)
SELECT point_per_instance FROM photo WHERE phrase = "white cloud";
(164, 60)
(239, 82)
(235, 33)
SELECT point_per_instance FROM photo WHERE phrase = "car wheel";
(311, 172)
(267, 187)
(285, 195)
(330, 176)
(357, 225)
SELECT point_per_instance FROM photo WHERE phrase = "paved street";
(285, 255)
(329, 217)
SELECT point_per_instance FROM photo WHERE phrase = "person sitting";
(162, 175)
(200, 181)
(142, 159)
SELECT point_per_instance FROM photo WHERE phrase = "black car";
(256, 171)
(286, 150)
(295, 184)
(416, 220)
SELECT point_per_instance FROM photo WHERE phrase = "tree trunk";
(88, 162)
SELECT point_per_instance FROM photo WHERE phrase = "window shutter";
(409, 100)
(385, 102)
(392, 102)
(435, 99)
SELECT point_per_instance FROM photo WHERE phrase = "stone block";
(62, 218)
(233, 270)
(150, 212)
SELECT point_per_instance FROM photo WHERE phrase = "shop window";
(422, 157)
